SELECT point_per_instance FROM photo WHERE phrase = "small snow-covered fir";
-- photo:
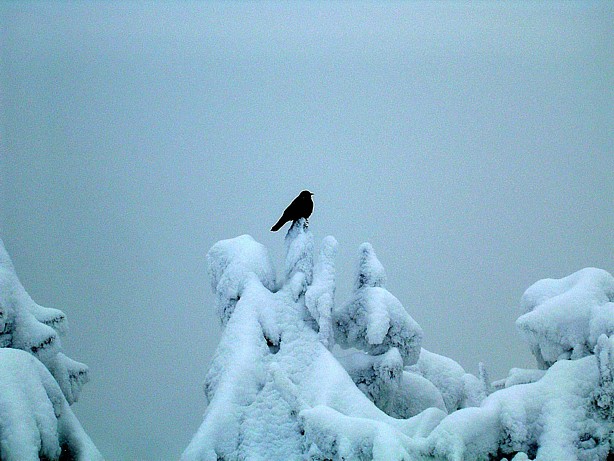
(38, 383)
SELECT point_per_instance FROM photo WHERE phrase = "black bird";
(301, 207)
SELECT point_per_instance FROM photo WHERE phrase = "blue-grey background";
(471, 144)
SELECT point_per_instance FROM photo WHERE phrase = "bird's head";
(306, 193)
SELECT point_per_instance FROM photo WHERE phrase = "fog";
(471, 144)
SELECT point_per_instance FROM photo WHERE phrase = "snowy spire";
(370, 271)
(320, 296)
(299, 251)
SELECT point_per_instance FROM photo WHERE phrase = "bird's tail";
(278, 224)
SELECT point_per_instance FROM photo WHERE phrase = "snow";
(371, 272)
(551, 419)
(416, 395)
(604, 394)
(299, 251)
(565, 317)
(519, 376)
(458, 388)
(35, 418)
(38, 383)
(297, 377)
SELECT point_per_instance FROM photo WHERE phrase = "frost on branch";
(565, 317)
(604, 394)
(36, 420)
(373, 320)
(37, 330)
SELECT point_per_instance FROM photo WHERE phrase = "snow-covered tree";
(297, 377)
(275, 389)
(565, 409)
(38, 382)
(373, 320)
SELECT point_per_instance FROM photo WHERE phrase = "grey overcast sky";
(471, 144)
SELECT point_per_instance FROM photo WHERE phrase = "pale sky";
(471, 144)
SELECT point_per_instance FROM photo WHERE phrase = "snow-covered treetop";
(565, 317)
(38, 383)
(36, 419)
(276, 391)
(370, 271)
(374, 320)
(299, 251)
(230, 262)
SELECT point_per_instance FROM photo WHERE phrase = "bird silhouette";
(301, 207)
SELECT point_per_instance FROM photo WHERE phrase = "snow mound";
(458, 388)
(230, 261)
(565, 317)
(519, 376)
(374, 320)
(558, 417)
(35, 418)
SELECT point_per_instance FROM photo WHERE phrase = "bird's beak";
(311, 193)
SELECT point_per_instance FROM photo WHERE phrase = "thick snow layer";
(416, 395)
(565, 317)
(458, 388)
(320, 295)
(378, 377)
(556, 418)
(230, 261)
(35, 418)
(519, 376)
(36, 329)
(373, 320)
